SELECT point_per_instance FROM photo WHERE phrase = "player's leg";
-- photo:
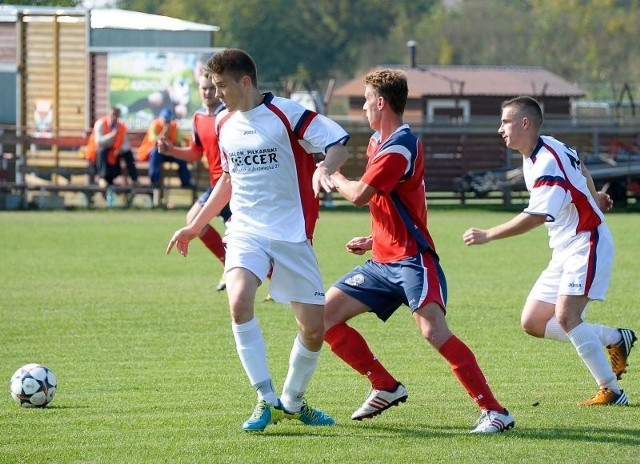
(538, 316)
(296, 280)
(425, 287)
(303, 361)
(430, 319)
(366, 288)
(586, 273)
(569, 310)
(247, 267)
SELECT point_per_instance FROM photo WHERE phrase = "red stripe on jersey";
(305, 166)
(307, 117)
(591, 266)
(588, 218)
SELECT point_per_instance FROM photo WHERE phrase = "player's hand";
(359, 245)
(180, 240)
(322, 179)
(604, 201)
(475, 236)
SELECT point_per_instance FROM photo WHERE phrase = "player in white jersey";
(272, 184)
(564, 198)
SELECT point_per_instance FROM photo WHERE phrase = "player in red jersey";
(204, 141)
(404, 267)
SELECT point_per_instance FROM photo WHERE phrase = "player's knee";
(312, 337)
(532, 326)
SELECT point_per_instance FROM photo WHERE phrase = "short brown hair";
(526, 106)
(234, 62)
(390, 84)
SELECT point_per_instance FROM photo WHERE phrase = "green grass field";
(147, 369)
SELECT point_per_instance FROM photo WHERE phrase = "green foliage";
(589, 42)
(147, 369)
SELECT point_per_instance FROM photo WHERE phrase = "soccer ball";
(33, 386)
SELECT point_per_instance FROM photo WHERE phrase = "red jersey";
(205, 140)
(397, 164)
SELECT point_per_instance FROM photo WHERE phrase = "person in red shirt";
(404, 267)
(204, 141)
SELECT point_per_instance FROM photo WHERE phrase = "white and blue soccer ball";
(33, 386)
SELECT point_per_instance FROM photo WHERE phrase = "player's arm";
(522, 223)
(219, 197)
(354, 191)
(336, 156)
(604, 201)
(187, 154)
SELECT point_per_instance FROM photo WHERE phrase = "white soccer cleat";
(494, 422)
(380, 400)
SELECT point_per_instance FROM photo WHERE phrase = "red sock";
(465, 367)
(212, 240)
(347, 343)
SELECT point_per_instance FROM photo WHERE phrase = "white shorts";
(295, 277)
(581, 267)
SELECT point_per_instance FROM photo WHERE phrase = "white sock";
(253, 356)
(302, 365)
(606, 335)
(590, 351)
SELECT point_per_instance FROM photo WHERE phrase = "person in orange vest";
(107, 145)
(163, 127)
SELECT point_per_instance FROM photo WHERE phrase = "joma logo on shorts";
(318, 294)
(574, 285)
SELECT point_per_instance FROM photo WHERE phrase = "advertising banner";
(143, 83)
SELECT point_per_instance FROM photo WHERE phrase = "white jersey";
(559, 191)
(271, 173)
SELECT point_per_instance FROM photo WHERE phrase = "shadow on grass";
(627, 437)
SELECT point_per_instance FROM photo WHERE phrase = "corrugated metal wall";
(72, 75)
(54, 57)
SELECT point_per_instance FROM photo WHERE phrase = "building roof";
(109, 18)
(500, 81)
(114, 18)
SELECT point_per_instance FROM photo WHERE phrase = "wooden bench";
(56, 165)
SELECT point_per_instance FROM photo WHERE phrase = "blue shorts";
(414, 281)
(225, 214)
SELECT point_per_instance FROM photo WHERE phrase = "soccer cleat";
(263, 415)
(310, 416)
(222, 284)
(267, 298)
(379, 401)
(619, 353)
(494, 422)
(606, 397)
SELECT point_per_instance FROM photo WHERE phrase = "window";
(448, 111)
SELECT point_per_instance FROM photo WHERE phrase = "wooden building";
(55, 59)
(456, 110)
